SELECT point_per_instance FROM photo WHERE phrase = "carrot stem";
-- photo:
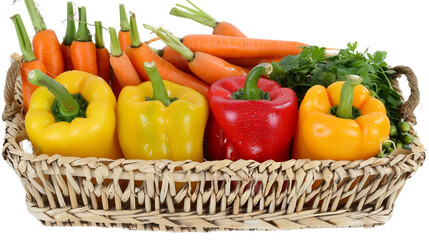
(24, 40)
(71, 28)
(197, 14)
(172, 41)
(35, 16)
(135, 37)
(83, 34)
(99, 42)
(125, 25)
(157, 51)
(159, 91)
(115, 46)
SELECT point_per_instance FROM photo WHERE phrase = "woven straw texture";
(213, 195)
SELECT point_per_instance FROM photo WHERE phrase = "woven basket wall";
(214, 195)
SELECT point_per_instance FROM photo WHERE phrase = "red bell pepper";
(255, 122)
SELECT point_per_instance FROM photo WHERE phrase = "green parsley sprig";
(312, 67)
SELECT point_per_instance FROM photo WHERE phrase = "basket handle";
(12, 106)
(407, 109)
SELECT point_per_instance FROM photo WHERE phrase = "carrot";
(207, 67)
(139, 53)
(83, 50)
(30, 61)
(65, 51)
(251, 62)
(152, 40)
(116, 87)
(239, 47)
(68, 38)
(124, 33)
(175, 58)
(211, 68)
(124, 70)
(46, 46)
(103, 55)
(171, 55)
(198, 15)
(227, 29)
(124, 39)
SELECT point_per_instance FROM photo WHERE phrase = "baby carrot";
(198, 15)
(139, 53)
(83, 50)
(103, 55)
(207, 67)
(124, 70)
(171, 55)
(152, 40)
(46, 46)
(175, 58)
(30, 61)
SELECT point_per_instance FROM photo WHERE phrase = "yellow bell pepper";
(161, 120)
(82, 125)
(344, 136)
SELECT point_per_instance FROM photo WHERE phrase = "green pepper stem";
(172, 41)
(251, 91)
(99, 42)
(35, 16)
(159, 91)
(196, 14)
(115, 46)
(71, 27)
(345, 107)
(68, 105)
(125, 25)
(24, 40)
(134, 32)
(83, 34)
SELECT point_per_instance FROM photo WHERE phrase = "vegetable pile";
(203, 96)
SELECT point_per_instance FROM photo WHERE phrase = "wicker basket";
(216, 195)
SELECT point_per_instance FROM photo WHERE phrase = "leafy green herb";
(311, 67)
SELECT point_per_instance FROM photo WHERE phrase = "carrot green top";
(24, 40)
(83, 34)
(197, 14)
(71, 28)
(125, 25)
(99, 42)
(115, 47)
(35, 16)
(172, 41)
(135, 38)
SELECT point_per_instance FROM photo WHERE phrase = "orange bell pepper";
(355, 131)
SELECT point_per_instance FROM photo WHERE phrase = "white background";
(398, 27)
